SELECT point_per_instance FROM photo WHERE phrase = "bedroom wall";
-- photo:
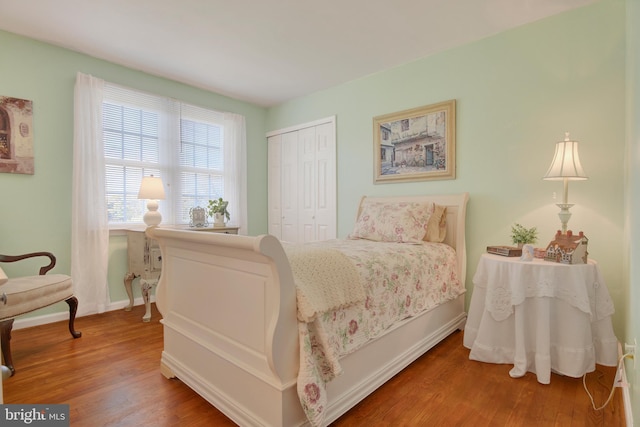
(517, 93)
(633, 195)
(35, 210)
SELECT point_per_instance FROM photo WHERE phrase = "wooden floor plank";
(111, 377)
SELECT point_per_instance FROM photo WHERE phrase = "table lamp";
(151, 189)
(565, 167)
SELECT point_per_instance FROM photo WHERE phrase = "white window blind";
(147, 135)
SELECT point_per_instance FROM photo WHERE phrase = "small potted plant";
(218, 211)
(521, 236)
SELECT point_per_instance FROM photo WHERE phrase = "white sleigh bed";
(231, 331)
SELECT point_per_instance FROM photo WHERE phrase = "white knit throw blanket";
(325, 279)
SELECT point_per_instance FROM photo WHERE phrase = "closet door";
(289, 187)
(302, 182)
(274, 182)
(307, 176)
(317, 190)
(325, 182)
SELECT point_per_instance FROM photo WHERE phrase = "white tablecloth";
(541, 317)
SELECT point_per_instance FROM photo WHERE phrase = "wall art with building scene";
(16, 135)
(416, 145)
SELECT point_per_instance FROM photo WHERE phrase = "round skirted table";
(540, 316)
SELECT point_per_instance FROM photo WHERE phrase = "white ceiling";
(267, 51)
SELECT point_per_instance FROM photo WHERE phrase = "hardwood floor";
(111, 377)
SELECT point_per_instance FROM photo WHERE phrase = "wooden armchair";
(25, 294)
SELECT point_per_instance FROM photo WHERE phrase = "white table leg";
(128, 279)
(147, 285)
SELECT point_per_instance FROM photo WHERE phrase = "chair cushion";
(25, 294)
(3, 277)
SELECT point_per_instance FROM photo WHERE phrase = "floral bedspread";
(400, 280)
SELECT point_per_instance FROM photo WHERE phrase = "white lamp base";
(152, 217)
(564, 215)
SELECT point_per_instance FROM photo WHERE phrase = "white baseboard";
(626, 397)
(626, 394)
(27, 322)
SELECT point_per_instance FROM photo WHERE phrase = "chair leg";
(7, 325)
(5, 338)
(73, 308)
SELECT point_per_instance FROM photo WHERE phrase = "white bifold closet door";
(302, 182)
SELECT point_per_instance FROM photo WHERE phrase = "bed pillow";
(403, 222)
(437, 225)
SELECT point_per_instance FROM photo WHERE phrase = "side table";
(145, 262)
(540, 316)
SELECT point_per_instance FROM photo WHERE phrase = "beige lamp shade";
(151, 189)
(566, 162)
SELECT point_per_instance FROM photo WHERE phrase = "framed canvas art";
(416, 145)
(16, 135)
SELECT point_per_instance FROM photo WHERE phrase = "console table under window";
(540, 316)
(145, 262)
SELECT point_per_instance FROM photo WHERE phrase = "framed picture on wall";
(416, 145)
(16, 135)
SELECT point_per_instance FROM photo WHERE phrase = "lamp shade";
(151, 188)
(566, 162)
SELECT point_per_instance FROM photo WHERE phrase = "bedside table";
(145, 261)
(540, 316)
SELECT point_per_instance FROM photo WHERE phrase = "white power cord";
(613, 386)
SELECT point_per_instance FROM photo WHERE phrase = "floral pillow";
(437, 225)
(403, 222)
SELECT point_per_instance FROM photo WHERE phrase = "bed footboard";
(228, 305)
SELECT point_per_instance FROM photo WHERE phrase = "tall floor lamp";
(151, 189)
(565, 167)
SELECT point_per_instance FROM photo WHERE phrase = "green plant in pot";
(217, 209)
(521, 235)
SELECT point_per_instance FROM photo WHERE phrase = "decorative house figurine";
(568, 248)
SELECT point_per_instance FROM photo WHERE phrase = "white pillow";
(403, 222)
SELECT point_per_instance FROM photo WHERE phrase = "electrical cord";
(613, 386)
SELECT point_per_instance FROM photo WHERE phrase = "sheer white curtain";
(89, 222)
(235, 169)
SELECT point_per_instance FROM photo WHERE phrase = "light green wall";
(517, 93)
(633, 194)
(35, 209)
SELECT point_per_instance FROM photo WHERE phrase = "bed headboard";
(456, 216)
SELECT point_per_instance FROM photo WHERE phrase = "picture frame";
(416, 145)
(16, 136)
(198, 217)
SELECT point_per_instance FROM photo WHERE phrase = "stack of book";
(504, 250)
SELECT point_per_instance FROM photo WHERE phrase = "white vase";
(218, 220)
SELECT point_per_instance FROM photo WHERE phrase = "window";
(182, 144)
(201, 163)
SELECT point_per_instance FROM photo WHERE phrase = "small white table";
(540, 316)
(145, 261)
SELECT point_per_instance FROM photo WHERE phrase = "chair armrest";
(43, 270)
